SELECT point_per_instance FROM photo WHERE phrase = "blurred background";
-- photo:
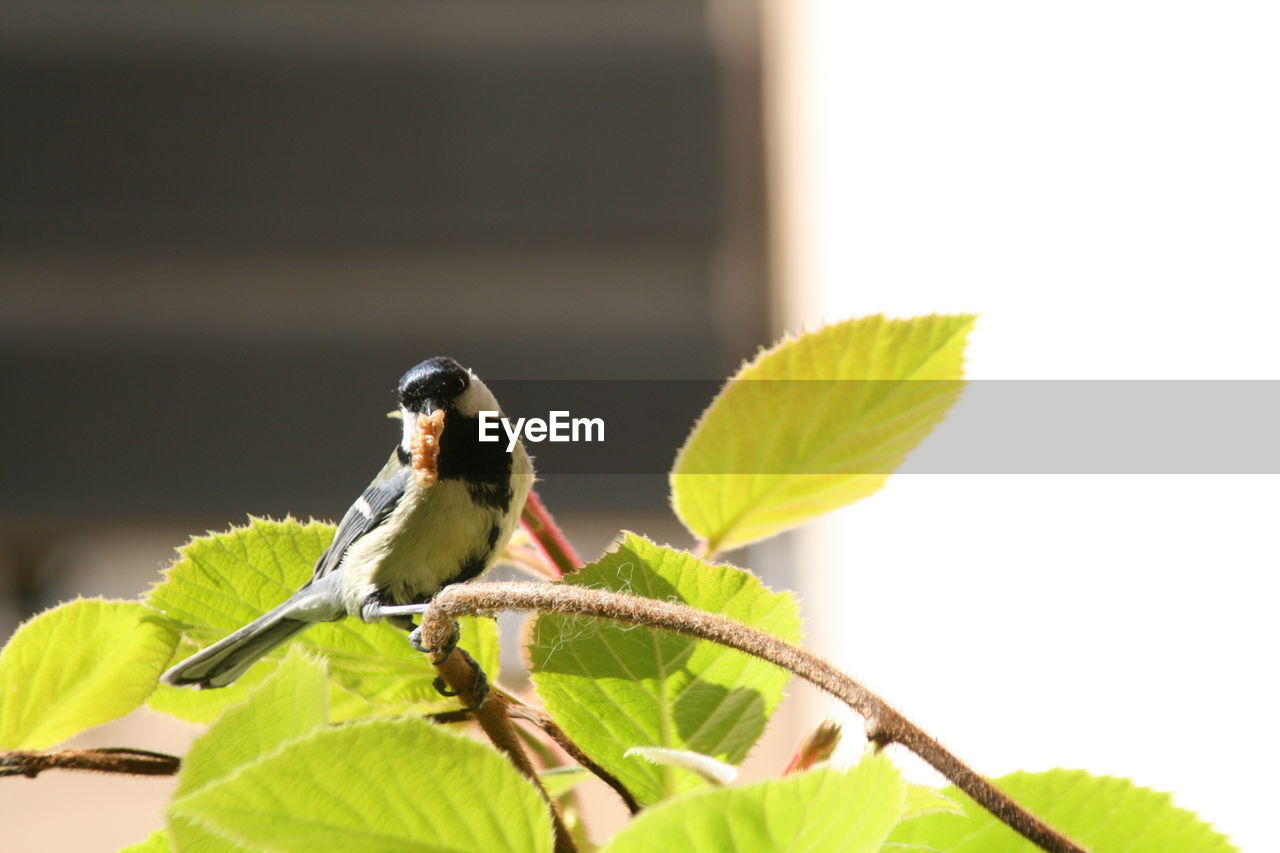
(225, 229)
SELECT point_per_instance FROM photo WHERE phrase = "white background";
(1100, 181)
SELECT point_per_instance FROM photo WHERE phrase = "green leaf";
(288, 705)
(613, 687)
(156, 842)
(842, 811)
(224, 580)
(923, 800)
(777, 448)
(204, 706)
(1103, 813)
(78, 665)
(378, 785)
(559, 781)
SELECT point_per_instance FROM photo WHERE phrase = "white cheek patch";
(475, 399)
(409, 422)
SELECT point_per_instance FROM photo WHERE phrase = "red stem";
(546, 534)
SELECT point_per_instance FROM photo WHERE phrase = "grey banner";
(995, 427)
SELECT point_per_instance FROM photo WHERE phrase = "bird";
(439, 512)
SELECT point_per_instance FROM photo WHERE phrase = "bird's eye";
(457, 385)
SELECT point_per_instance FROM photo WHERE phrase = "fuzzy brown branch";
(884, 725)
(137, 762)
(543, 720)
(462, 676)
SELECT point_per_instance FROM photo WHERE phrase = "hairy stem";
(546, 534)
(462, 676)
(543, 720)
(549, 757)
(137, 762)
(884, 725)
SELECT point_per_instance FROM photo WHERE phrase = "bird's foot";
(437, 655)
(479, 690)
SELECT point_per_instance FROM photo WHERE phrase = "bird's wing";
(370, 509)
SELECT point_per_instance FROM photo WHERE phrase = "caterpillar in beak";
(424, 448)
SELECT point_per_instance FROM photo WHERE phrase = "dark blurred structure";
(225, 229)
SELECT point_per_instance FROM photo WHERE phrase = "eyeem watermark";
(558, 426)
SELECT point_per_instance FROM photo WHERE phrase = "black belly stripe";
(491, 495)
(473, 566)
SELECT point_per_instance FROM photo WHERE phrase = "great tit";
(439, 512)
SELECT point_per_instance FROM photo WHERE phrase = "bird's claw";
(437, 655)
(479, 690)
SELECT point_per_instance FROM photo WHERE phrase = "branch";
(138, 762)
(546, 534)
(884, 725)
(462, 676)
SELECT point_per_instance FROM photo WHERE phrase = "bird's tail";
(229, 658)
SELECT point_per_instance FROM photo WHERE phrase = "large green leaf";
(613, 687)
(849, 811)
(1103, 813)
(224, 580)
(815, 423)
(78, 665)
(289, 704)
(378, 785)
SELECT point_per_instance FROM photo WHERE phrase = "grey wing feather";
(229, 658)
(380, 498)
